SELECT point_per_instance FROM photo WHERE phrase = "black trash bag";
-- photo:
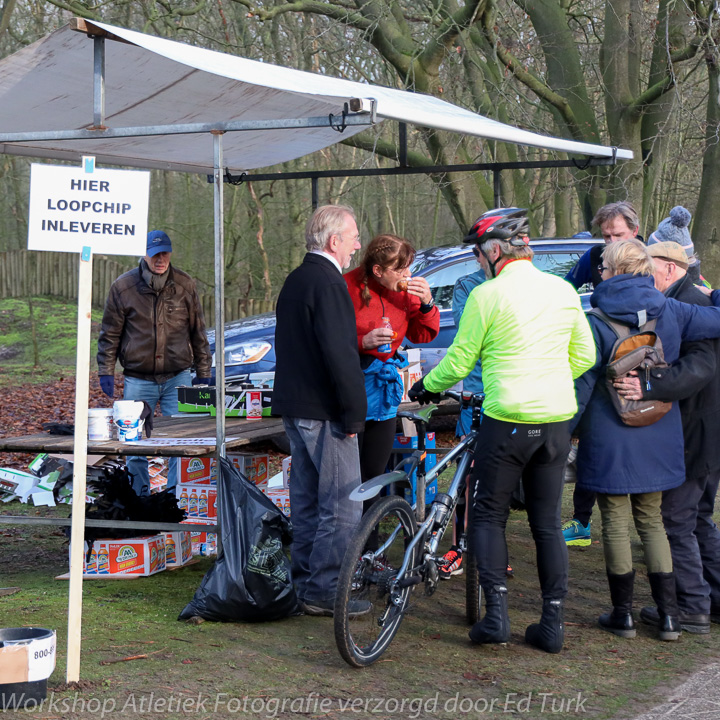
(251, 580)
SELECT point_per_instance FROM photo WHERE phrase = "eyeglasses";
(602, 268)
(476, 251)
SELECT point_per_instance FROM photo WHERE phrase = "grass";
(430, 660)
(248, 670)
(56, 332)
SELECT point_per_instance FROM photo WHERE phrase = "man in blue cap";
(153, 324)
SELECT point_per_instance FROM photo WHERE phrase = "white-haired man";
(320, 393)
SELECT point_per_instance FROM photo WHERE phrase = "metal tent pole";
(219, 317)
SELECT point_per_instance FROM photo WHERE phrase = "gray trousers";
(325, 470)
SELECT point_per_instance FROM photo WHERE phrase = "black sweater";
(694, 381)
(318, 374)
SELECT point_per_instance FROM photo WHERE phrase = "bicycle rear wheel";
(367, 582)
(473, 591)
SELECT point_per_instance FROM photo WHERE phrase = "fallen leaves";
(26, 407)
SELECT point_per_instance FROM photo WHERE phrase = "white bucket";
(100, 424)
(126, 414)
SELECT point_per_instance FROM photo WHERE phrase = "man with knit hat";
(153, 324)
(687, 510)
(674, 228)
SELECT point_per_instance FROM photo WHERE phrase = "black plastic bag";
(251, 579)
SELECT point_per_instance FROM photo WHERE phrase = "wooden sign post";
(85, 210)
(77, 532)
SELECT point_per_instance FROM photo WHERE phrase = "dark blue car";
(250, 342)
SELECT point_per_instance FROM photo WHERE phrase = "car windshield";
(442, 279)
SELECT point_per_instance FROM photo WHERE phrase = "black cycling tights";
(375, 445)
(505, 452)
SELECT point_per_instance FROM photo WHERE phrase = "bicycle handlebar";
(466, 398)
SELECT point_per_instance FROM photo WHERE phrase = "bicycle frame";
(440, 510)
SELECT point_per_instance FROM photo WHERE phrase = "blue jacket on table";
(614, 458)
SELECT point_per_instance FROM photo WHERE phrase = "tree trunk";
(706, 225)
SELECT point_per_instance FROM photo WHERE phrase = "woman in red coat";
(382, 288)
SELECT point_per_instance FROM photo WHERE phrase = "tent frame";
(357, 112)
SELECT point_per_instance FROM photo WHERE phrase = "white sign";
(105, 210)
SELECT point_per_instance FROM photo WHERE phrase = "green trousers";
(645, 510)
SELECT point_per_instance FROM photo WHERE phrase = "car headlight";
(245, 353)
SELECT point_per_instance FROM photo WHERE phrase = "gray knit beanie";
(675, 229)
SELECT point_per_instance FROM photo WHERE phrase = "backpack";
(639, 350)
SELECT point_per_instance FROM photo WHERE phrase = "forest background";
(637, 74)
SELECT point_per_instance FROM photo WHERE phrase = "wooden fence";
(24, 273)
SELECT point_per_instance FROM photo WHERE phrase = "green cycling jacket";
(530, 332)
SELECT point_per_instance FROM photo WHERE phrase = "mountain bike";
(397, 545)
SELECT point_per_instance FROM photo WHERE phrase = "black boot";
(662, 586)
(620, 620)
(495, 625)
(697, 624)
(549, 633)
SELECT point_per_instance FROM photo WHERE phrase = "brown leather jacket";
(154, 335)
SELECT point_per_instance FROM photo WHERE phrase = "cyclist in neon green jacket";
(529, 331)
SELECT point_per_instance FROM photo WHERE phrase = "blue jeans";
(325, 470)
(153, 393)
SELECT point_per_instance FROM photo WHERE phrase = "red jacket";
(402, 308)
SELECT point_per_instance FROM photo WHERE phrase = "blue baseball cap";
(157, 242)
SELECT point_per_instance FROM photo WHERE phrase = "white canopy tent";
(148, 102)
(153, 83)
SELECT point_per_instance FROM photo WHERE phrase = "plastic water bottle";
(387, 347)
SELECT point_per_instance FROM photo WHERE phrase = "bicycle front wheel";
(369, 605)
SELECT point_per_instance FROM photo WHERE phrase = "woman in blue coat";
(629, 467)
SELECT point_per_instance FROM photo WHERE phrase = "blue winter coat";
(614, 458)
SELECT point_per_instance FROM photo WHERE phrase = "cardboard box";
(411, 374)
(196, 470)
(280, 498)
(202, 471)
(197, 500)
(201, 399)
(178, 548)
(404, 442)
(202, 543)
(141, 556)
(286, 466)
(17, 483)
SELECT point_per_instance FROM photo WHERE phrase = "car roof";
(430, 256)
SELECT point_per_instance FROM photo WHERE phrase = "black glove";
(147, 416)
(201, 381)
(107, 384)
(418, 393)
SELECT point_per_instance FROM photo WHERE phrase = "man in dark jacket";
(153, 324)
(320, 392)
(687, 510)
